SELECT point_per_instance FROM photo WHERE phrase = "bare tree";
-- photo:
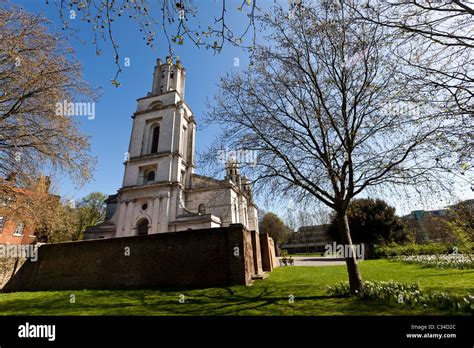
(53, 220)
(178, 20)
(444, 22)
(36, 73)
(311, 215)
(330, 113)
(436, 42)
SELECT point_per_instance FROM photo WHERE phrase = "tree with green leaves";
(372, 221)
(275, 227)
(89, 212)
(460, 222)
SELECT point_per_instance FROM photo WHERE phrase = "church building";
(160, 191)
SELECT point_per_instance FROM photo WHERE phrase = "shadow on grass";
(234, 303)
(307, 284)
(225, 301)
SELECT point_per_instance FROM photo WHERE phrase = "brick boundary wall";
(269, 260)
(273, 252)
(206, 257)
(257, 256)
(8, 267)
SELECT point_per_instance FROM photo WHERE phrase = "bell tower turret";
(168, 76)
(232, 171)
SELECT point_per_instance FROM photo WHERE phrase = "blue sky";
(110, 130)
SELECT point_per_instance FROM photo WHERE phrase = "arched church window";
(156, 105)
(142, 227)
(202, 209)
(155, 139)
(172, 74)
(150, 176)
(236, 214)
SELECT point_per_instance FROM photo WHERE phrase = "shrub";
(391, 250)
(370, 221)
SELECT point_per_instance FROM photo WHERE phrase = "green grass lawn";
(264, 297)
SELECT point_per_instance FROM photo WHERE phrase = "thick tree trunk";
(355, 278)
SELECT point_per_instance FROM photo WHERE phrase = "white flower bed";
(406, 294)
(461, 261)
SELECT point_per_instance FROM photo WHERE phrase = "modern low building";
(308, 239)
(429, 225)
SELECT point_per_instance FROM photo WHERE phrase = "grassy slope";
(267, 297)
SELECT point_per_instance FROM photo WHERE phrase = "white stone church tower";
(160, 192)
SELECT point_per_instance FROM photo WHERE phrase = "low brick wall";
(273, 252)
(267, 246)
(208, 257)
(257, 256)
(8, 267)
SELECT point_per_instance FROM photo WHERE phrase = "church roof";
(202, 179)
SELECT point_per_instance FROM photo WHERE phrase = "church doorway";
(142, 227)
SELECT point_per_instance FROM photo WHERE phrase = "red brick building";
(16, 226)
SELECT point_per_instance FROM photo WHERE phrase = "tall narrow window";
(236, 214)
(202, 209)
(2, 223)
(155, 139)
(19, 229)
(150, 177)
